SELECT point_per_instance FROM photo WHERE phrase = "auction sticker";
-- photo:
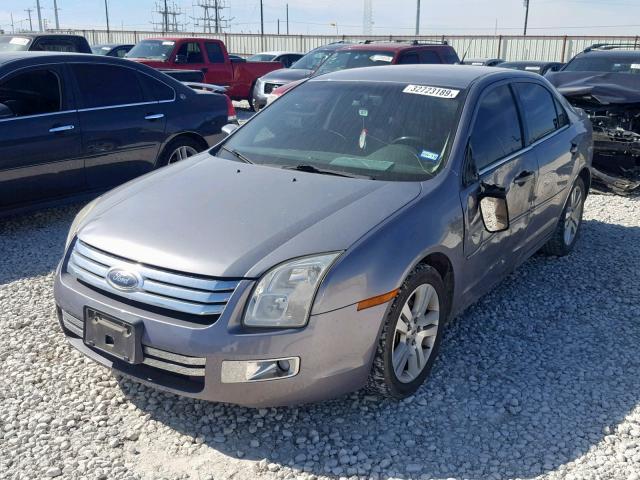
(19, 41)
(431, 91)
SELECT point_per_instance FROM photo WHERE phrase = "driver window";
(32, 93)
(191, 52)
(496, 132)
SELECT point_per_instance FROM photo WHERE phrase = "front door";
(122, 125)
(496, 159)
(40, 146)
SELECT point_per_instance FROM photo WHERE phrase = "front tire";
(567, 231)
(411, 335)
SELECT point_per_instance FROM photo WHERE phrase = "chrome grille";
(153, 357)
(270, 87)
(160, 288)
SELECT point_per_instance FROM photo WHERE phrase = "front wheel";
(411, 335)
(566, 233)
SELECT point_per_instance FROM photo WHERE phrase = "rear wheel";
(411, 335)
(180, 149)
(566, 233)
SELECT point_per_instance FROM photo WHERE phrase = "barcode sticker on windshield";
(431, 91)
(635, 66)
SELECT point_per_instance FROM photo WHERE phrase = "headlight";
(284, 295)
(78, 220)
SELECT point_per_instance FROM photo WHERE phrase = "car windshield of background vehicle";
(607, 64)
(261, 58)
(152, 50)
(100, 50)
(383, 131)
(311, 60)
(345, 59)
(14, 44)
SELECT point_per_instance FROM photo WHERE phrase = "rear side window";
(32, 93)
(409, 58)
(214, 52)
(55, 45)
(191, 52)
(158, 90)
(107, 85)
(538, 109)
(496, 132)
(563, 118)
(427, 56)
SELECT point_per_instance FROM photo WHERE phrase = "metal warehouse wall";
(509, 47)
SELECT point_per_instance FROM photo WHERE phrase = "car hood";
(285, 75)
(606, 88)
(221, 218)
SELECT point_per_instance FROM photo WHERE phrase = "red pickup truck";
(205, 54)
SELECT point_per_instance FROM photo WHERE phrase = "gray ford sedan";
(322, 246)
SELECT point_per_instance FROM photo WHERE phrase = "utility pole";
(29, 10)
(13, 28)
(106, 13)
(165, 22)
(261, 19)
(278, 26)
(55, 12)
(39, 14)
(367, 18)
(287, 19)
(418, 18)
(526, 15)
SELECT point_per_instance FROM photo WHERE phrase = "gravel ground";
(540, 379)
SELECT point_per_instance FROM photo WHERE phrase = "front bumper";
(335, 349)
(260, 95)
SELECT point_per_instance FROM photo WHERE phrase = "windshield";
(383, 131)
(344, 59)
(100, 50)
(152, 50)
(261, 57)
(14, 44)
(609, 64)
(312, 59)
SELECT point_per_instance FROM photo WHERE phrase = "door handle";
(63, 128)
(574, 148)
(523, 177)
(154, 116)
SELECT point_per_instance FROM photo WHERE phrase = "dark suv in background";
(44, 42)
(77, 124)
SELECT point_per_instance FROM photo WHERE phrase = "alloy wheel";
(182, 153)
(573, 215)
(415, 333)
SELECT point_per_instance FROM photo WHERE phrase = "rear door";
(40, 147)
(497, 158)
(548, 134)
(219, 70)
(122, 125)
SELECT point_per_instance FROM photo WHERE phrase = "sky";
(546, 17)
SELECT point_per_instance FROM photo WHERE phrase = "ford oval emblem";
(123, 279)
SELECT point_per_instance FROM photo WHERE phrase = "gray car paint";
(217, 217)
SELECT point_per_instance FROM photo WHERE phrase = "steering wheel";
(407, 139)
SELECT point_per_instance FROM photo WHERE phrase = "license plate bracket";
(116, 337)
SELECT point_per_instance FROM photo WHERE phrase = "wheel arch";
(585, 175)
(188, 134)
(443, 265)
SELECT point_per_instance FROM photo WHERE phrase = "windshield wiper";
(312, 169)
(236, 154)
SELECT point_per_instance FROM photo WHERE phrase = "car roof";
(454, 76)
(533, 63)
(276, 53)
(111, 45)
(617, 53)
(392, 47)
(9, 57)
(37, 35)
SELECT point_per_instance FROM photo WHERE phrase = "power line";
(212, 19)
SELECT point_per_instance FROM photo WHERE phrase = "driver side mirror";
(494, 209)
(5, 111)
(229, 128)
(181, 59)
